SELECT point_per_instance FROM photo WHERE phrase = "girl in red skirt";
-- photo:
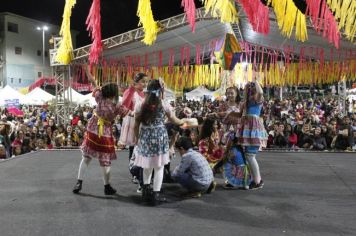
(99, 142)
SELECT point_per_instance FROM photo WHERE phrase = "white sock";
(106, 174)
(147, 174)
(83, 166)
(255, 169)
(158, 179)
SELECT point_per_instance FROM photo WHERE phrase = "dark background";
(117, 16)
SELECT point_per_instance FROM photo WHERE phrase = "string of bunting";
(328, 17)
(308, 66)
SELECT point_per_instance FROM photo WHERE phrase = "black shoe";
(229, 186)
(78, 186)
(254, 186)
(147, 193)
(168, 179)
(108, 190)
(157, 199)
(211, 187)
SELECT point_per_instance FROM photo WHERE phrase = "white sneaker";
(135, 180)
(139, 189)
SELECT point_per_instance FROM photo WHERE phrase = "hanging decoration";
(94, 27)
(65, 50)
(258, 15)
(225, 9)
(345, 12)
(189, 9)
(150, 26)
(275, 68)
(323, 19)
(288, 15)
(227, 52)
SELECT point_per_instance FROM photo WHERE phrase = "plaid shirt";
(195, 165)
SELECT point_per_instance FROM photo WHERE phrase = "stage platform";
(304, 194)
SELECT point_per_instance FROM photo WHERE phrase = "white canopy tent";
(90, 100)
(351, 91)
(38, 97)
(8, 93)
(199, 93)
(76, 97)
(169, 94)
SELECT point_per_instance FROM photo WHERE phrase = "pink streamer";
(189, 9)
(197, 54)
(171, 60)
(323, 18)
(258, 15)
(94, 27)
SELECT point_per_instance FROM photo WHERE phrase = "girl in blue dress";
(152, 150)
(253, 134)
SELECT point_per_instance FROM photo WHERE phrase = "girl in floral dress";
(152, 150)
(99, 142)
(229, 113)
(253, 135)
(209, 144)
(233, 104)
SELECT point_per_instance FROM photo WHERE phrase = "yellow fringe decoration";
(288, 15)
(150, 26)
(177, 78)
(301, 27)
(225, 9)
(345, 13)
(65, 50)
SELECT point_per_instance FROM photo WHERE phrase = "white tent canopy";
(351, 91)
(76, 97)
(169, 95)
(8, 93)
(38, 97)
(90, 100)
(198, 93)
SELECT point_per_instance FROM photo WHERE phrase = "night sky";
(117, 16)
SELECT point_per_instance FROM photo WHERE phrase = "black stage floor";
(304, 194)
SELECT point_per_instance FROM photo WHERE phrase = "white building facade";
(21, 56)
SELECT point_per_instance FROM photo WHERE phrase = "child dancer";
(152, 150)
(132, 96)
(253, 133)
(99, 141)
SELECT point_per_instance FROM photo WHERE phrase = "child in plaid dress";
(99, 141)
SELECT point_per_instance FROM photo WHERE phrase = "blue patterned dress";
(253, 134)
(152, 149)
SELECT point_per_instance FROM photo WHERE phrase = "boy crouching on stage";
(193, 172)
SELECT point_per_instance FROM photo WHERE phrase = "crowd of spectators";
(291, 123)
(37, 130)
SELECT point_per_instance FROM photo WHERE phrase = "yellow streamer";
(288, 15)
(225, 9)
(150, 26)
(345, 12)
(65, 50)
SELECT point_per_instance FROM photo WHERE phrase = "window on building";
(20, 81)
(12, 80)
(39, 53)
(18, 50)
(39, 74)
(12, 27)
(46, 53)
